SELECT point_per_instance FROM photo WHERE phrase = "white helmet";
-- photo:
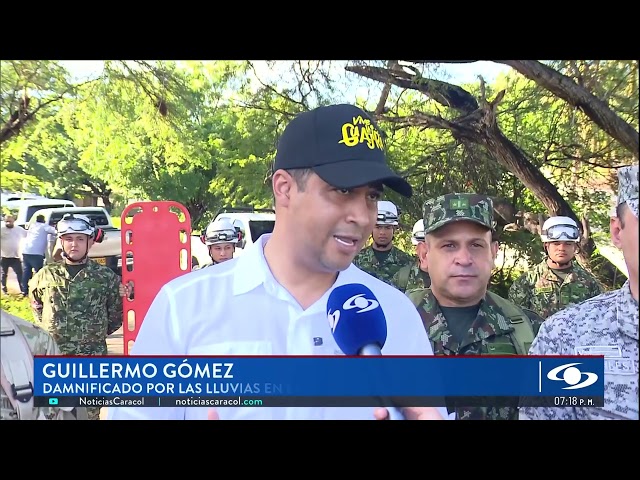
(71, 223)
(560, 229)
(220, 231)
(417, 235)
(387, 213)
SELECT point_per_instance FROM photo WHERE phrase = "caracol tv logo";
(361, 303)
(357, 301)
(572, 376)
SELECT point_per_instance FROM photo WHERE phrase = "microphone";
(358, 324)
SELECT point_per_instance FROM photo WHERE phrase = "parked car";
(23, 210)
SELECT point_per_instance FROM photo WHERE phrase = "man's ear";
(422, 249)
(615, 227)
(282, 184)
(495, 246)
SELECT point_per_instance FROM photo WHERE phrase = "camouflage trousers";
(93, 413)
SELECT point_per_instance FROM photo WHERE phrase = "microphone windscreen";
(356, 318)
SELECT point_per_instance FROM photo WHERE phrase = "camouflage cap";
(628, 187)
(454, 207)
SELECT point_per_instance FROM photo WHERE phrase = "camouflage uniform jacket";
(543, 292)
(490, 334)
(608, 324)
(39, 343)
(415, 280)
(366, 260)
(78, 312)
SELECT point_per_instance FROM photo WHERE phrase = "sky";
(459, 72)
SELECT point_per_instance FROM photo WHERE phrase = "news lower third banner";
(275, 381)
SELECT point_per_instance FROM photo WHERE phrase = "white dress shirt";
(10, 239)
(238, 308)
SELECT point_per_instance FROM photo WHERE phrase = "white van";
(7, 196)
(23, 210)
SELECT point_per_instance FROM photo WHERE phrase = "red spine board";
(158, 235)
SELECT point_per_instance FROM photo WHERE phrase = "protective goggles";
(221, 237)
(558, 232)
(74, 225)
(388, 218)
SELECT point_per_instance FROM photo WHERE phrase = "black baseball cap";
(342, 144)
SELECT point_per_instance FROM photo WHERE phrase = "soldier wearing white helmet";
(73, 224)
(220, 237)
(78, 301)
(417, 234)
(414, 276)
(382, 259)
(604, 325)
(558, 281)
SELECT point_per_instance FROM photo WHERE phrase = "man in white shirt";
(10, 237)
(329, 173)
(35, 247)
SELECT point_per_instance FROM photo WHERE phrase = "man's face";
(382, 235)
(221, 252)
(329, 225)
(460, 257)
(626, 238)
(8, 221)
(75, 245)
(561, 252)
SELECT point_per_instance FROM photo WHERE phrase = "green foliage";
(519, 250)
(204, 134)
(17, 305)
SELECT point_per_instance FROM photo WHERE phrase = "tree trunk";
(479, 126)
(594, 108)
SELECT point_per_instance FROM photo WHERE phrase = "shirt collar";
(252, 270)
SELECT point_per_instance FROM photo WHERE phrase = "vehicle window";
(260, 227)
(98, 217)
(34, 208)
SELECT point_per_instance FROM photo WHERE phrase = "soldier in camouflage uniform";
(461, 317)
(220, 238)
(78, 301)
(414, 276)
(558, 281)
(604, 325)
(382, 259)
(22, 340)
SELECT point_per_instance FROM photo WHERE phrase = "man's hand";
(411, 413)
(126, 290)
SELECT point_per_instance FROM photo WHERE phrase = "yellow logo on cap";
(361, 130)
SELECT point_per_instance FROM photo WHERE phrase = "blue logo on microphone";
(361, 303)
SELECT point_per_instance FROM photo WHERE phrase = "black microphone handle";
(374, 350)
